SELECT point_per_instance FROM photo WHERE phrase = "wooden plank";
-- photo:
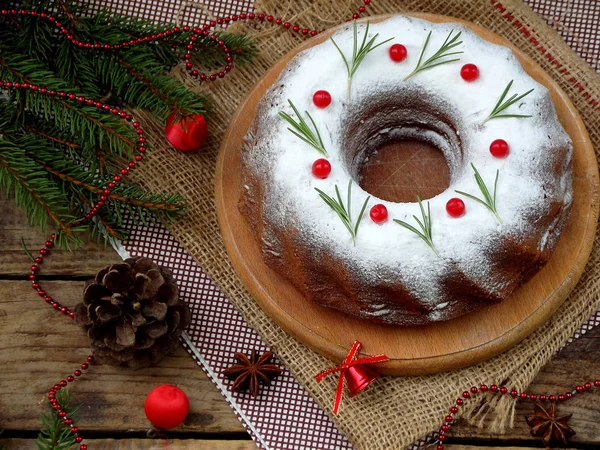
(85, 261)
(577, 363)
(144, 444)
(39, 347)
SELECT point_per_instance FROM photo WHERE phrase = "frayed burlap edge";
(393, 412)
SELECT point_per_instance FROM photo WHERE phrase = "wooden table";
(39, 347)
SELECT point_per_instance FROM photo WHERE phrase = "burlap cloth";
(394, 411)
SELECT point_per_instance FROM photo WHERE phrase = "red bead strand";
(449, 420)
(204, 31)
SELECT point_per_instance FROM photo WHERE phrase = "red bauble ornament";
(166, 406)
(469, 72)
(499, 148)
(188, 133)
(321, 168)
(322, 99)
(378, 213)
(455, 207)
(398, 52)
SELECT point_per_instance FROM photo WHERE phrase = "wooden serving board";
(425, 349)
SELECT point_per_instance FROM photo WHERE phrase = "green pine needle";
(503, 105)
(424, 224)
(345, 211)
(359, 52)
(55, 434)
(489, 200)
(438, 58)
(302, 130)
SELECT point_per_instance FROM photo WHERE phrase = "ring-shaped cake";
(422, 264)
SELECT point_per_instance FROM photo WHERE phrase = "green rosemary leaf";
(440, 57)
(362, 211)
(489, 200)
(358, 52)
(343, 211)
(302, 130)
(503, 104)
(424, 224)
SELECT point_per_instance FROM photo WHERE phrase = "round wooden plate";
(432, 348)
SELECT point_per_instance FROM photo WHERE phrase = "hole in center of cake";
(400, 170)
(402, 144)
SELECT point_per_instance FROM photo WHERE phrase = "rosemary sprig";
(303, 130)
(489, 200)
(345, 212)
(503, 104)
(358, 52)
(437, 59)
(424, 224)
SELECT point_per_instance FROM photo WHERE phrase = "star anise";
(552, 429)
(250, 373)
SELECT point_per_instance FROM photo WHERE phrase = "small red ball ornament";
(499, 148)
(398, 52)
(166, 406)
(469, 72)
(322, 99)
(455, 207)
(321, 168)
(188, 133)
(378, 213)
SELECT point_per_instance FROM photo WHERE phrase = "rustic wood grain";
(39, 347)
(449, 345)
(84, 261)
(145, 444)
(577, 363)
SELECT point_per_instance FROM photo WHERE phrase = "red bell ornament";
(359, 377)
(166, 406)
(187, 133)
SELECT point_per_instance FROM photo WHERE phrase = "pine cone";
(132, 313)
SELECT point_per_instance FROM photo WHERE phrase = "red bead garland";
(449, 420)
(321, 168)
(322, 99)
(499, 148)
(455, 207)
(469, 72)
(378, 213)
(398, 52)
(204, 31)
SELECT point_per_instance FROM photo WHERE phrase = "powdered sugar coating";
(534, 178)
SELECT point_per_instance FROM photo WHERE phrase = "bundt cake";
(337, 103)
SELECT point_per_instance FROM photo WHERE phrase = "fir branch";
(33, 190)
(94, 126)
(424, 223)
(359, 52)
(345, 211)
(303, 131)
(489, 200)
(438, 58)
(55, 434)
(503, 105)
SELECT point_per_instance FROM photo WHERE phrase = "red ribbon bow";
(343, 369)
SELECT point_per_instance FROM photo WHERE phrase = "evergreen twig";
(438, 58)
(359, 52)
(424, 223)
(489, 199)
(503, 105)
(345, 211)
(55, 434)
(302, 130)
